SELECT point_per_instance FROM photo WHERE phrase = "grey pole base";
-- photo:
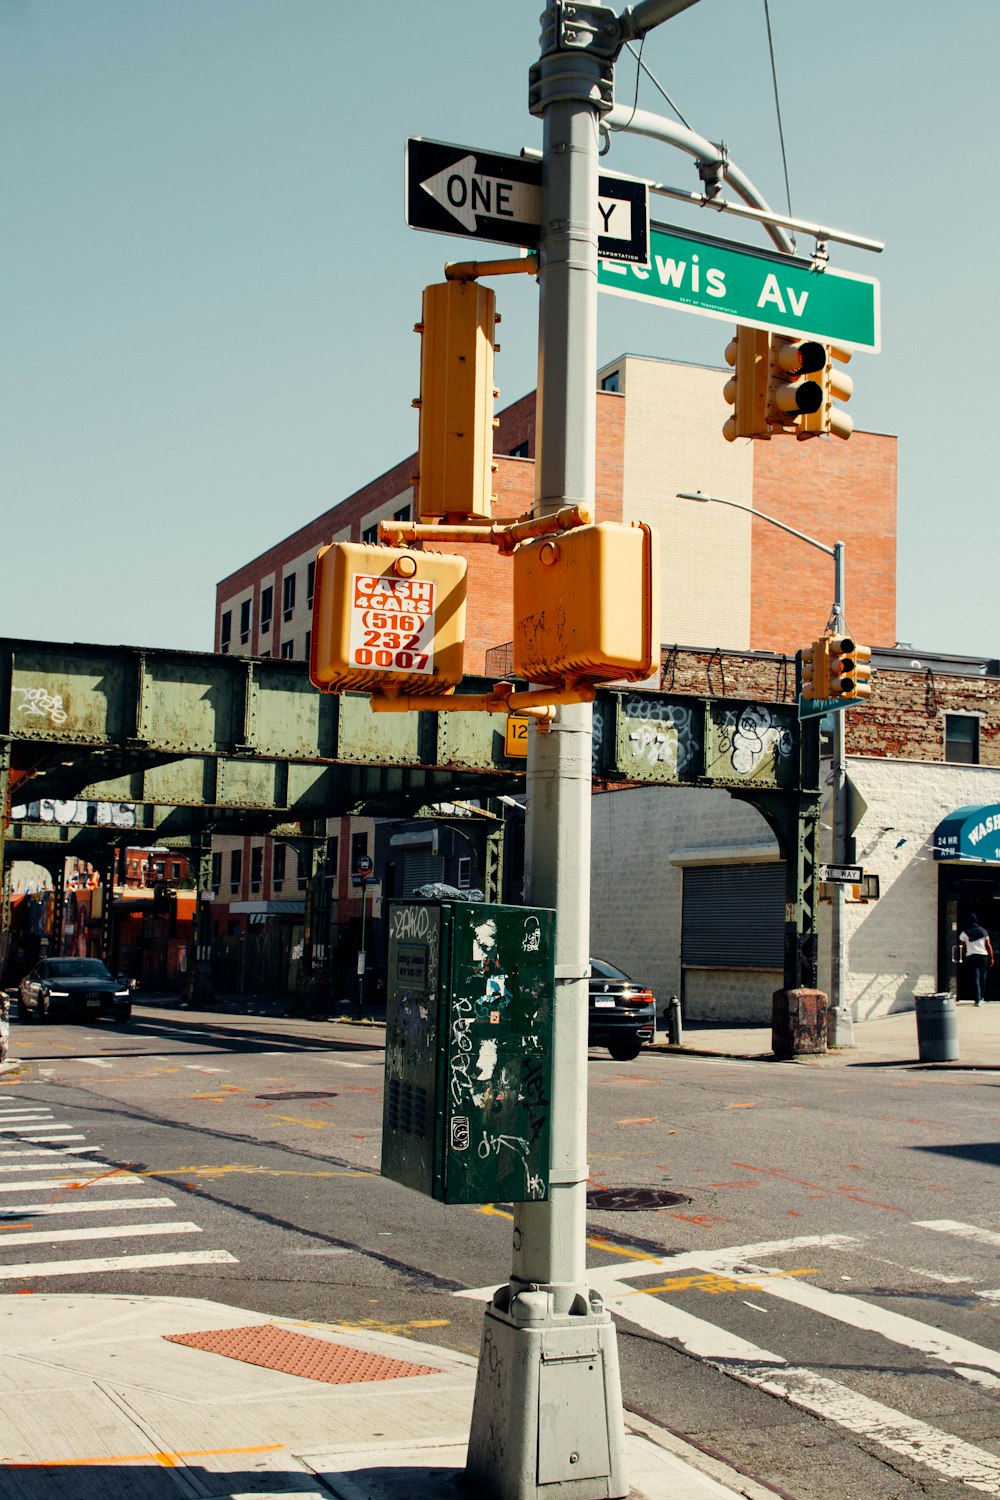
(547, 1415)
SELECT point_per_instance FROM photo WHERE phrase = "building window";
(370, 534)
(611, 382)
(278, 857)
(309, 641)
(287, 596)
(961, 738)
(359, 848)
(464, 872)
(175, 871)
(235, 871)
(287, 650)
(303, 871)
(521, 450)
(256, 866)
(245, 609)
(266, 608)
(216, 871)
(226, 630)
(310, 582)
(402, 514)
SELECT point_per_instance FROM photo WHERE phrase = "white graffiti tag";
(43, 705)
(757, 737)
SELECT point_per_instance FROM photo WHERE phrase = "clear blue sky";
(208, 289)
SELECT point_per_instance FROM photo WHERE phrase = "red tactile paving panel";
(297, 1354)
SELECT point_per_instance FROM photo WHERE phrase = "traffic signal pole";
(841, 1028)
(547, 1416)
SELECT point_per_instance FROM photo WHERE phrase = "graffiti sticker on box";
(392, 624)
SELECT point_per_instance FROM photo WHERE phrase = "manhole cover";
(625, 1200)
(306, 1094)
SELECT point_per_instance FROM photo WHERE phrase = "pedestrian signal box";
(455, 449)
(468, 1050)
(386, 620)
(587, 605)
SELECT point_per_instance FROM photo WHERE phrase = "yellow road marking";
(309, 1124)
(711, 1282)
(396, 1328)
(596, 1243)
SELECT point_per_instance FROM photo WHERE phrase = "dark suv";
(622, 1012)
(77, 987)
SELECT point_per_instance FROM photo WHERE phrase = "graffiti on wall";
(754, 738)
(37, 703)
(67, 814)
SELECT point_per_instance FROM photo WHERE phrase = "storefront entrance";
(964, 890)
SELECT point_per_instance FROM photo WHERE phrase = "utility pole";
(548, 1411)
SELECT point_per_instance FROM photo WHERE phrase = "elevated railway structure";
(171, 747)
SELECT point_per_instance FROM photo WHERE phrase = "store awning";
(970, 833)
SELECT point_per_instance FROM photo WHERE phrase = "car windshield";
(76, 968)
(604, 970)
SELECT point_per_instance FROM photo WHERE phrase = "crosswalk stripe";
(824, 1398)
(52, 1166)
(96, 1232)
(117, 1179)
(868, 1316)
(964, 1231)
(52, 1156)
(98, 1206)
(32, 1272)
(36, 1139)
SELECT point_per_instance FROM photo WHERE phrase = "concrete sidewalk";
(156, 1397)
(885, 1041)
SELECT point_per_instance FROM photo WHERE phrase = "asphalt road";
(802, 1260)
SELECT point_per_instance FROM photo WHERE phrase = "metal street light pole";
(842, 1029)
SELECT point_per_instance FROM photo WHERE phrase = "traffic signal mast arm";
(505, 535)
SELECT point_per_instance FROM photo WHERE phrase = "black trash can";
(937, 1028)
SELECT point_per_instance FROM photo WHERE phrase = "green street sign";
(815, 708)
(718, 279)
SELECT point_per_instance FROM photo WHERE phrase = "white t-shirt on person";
(976, 944)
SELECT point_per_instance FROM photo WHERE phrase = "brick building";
(728, 580)
(699, 915)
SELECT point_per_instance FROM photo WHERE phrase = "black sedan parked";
(81, 988)
(622, 1011)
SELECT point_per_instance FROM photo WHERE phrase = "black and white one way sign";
(462, 190)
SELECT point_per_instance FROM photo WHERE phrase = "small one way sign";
(465, 191)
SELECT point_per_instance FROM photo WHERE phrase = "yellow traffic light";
(791, 395)
(587, 605)
(746, 389)
(858, 673)
(387, 620)
(841, 666)
(835, 386)
(455, 476)
(815, 674)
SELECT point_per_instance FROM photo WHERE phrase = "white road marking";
(699, 1260)
(97, 1232)
(827, 1399)
(95, 1062)
(37, 1139)
(868, 1316)
(95, 1206)
(63, 1151)
(51, 1166)
(340, 1062)
(37, 1113)
(117, 1179)
(197, 1068)
(964, 1231)
(990, 1296)
(936, 1276)
(30, 1272)
(39, 1123)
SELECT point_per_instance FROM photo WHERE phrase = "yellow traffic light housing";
(841, 666)
(791, 394)
(815, 675)
(858, 673)
(455, 458)
(387, 620)
(587, 605)
(746, 390)
(835, 386)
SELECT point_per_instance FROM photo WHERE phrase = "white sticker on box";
(392, 624)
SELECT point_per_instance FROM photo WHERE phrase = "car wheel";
(123, 1017)
(625, 1049)
(23, 1013)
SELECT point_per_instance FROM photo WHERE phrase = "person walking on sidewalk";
(977, 951)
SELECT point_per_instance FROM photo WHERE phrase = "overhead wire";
(640, 65)
(777, 105)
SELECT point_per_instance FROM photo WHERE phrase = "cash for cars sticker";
(392, 624)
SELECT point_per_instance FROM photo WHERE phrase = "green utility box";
(468, 1050)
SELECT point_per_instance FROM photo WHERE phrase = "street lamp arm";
(760, 516)
(636, 20)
